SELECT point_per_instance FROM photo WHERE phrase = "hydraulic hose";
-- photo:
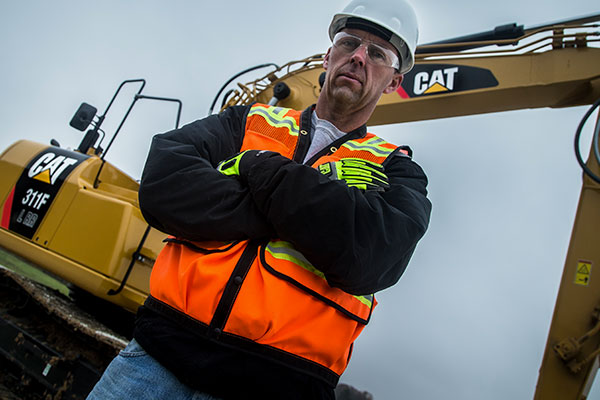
(212, 106)
(594, 142)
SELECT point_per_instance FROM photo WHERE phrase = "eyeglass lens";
(376, 54)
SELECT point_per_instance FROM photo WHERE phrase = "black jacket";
(345, 233)
(361, 241)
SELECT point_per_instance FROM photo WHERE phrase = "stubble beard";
(344, 97)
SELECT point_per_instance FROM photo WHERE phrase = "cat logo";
(443, 79)
(49, 166)
(30, 199)
(440, 80)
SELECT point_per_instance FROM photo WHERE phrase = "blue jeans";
(134, 375)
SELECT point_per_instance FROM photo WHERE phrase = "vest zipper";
(232, 288)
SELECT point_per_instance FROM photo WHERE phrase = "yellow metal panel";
(102, 222)
(89, 235)
(73, 272)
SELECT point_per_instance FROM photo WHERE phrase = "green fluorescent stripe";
(275, 120)
(371, 145)
(285, 251)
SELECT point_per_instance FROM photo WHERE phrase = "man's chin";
(344, 94)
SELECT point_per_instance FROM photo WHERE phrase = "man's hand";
(240, 164)
(356, 172)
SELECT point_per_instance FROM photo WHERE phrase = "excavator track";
(51, 347)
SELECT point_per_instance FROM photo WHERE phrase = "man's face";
(352, 81)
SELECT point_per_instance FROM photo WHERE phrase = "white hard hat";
(396, 17)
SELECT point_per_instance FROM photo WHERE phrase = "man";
(283, 224)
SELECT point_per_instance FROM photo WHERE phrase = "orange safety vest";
(267, 298)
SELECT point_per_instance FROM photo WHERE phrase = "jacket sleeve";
(361, 241)
(181, 192)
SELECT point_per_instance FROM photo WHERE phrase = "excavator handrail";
(583, 19)
(507, 31)
(555, 37)
(251, 89)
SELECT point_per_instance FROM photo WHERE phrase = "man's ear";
(394, 84)
(326, 59)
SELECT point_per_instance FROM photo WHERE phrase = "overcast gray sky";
(469, 318)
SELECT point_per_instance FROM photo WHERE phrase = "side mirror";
(83, 116)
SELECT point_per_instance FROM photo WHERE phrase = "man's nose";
(360, 55)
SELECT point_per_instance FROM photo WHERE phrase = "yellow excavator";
(76, 253)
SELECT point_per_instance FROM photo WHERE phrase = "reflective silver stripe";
(370, 145)
(273, 118)
(285, 250)
(279, 110)
(368, 297)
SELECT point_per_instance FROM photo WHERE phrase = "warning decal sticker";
(582, 275)
(36, 188)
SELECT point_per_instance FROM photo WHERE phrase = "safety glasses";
(376, 54)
